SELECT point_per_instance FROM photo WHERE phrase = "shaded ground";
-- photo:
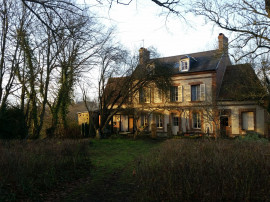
(111, 178)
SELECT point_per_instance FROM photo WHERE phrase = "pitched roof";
(202, 61)
(240, 83)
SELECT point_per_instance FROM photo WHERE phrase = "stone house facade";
(204, 98)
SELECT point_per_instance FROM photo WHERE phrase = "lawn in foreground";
(112, 177)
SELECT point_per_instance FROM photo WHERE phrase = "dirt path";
(118, 185)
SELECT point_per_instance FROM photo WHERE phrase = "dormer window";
(184, 65)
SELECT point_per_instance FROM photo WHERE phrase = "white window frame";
(159, 121)
(174, 94)
(196, 94)
(198, 120)
(144, 120)
(145, 95)
(200, 92)
(184, 65)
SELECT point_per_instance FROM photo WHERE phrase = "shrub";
(253, 136)
(29, 169)
(193, 170)
(12, 123)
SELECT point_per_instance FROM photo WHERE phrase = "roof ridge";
(185, 54)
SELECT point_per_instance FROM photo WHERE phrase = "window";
(144, 120)
(195, 92)
(175, 120)
(183, 65)
(196, 119)
(198, 92)
(144, 95)
(247, 120)
(159, 121)
(174, 93)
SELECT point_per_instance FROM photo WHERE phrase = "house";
(208, 95)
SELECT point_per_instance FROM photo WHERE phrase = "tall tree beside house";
(120, 78)
(78, 47)
(9, 49)
(43, 52)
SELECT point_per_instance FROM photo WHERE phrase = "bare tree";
(248, 21)
(120, 78)
(77, 49)
(9, 51)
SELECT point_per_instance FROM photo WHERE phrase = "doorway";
(130, 124)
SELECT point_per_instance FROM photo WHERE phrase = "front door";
(224, 126)
(175, 124)
(130, 124)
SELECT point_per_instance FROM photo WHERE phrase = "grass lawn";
(111, 178)
(122, 169)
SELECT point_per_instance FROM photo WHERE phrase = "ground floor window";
(248, 120)
(175, 120)
(159, 121)
(144, 120)
(196, 120)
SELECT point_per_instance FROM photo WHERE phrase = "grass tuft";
(29, 168)
(190, 170)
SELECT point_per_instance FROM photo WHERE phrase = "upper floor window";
(174, 93)
(195, 92)
(144, 95)
(198, 92)
(184, 65)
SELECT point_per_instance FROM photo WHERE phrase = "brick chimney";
(223, 43)
(144, 55)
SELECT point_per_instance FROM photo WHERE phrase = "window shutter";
(202, 90)
(188, 93)
(180, 93)
(136, 97)
(157, 96)
(147, 95)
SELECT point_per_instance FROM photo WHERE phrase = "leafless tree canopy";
(248, 20)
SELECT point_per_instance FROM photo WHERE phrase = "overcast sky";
(140, 24)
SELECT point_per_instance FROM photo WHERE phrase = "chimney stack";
(223, 43)
(144, 55)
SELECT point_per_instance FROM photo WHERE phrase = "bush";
(253, 136)
(31, 168)
(193, 170)
(12, 123)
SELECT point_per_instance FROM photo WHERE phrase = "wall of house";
(186, 81)
(236, 123)
(83, 117)
(182, 106)
(180, 80)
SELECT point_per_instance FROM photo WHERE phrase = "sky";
(140, 25)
